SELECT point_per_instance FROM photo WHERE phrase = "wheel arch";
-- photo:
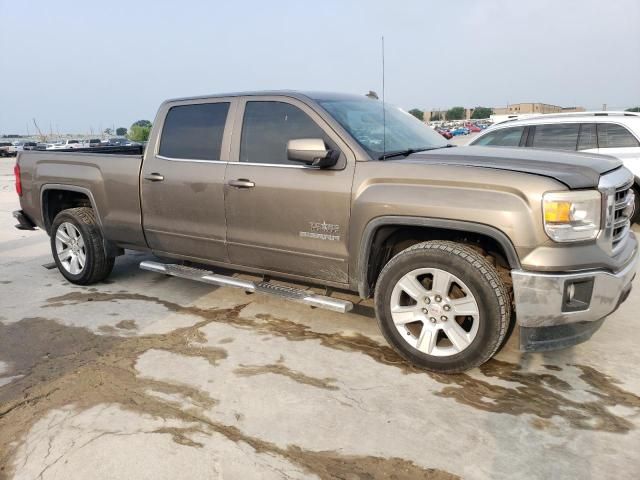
(55, 198)
(415, 229)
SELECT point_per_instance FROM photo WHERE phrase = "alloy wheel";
(435, 312)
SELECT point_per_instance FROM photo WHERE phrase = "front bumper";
(559, 310)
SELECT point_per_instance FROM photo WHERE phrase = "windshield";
(363, 119)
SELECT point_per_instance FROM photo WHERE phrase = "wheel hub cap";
(70, 248)
(435, 312)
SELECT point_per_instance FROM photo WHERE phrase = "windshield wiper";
(409, 151)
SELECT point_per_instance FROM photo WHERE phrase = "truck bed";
(110, 181)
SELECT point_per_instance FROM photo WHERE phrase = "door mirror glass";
(312, 152)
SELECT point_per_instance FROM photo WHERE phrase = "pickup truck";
(456, 245)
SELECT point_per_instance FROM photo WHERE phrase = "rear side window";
(615, 136)
(194, 131)
(588, 138)
(268, 126)
(560, 136)
(505, 137)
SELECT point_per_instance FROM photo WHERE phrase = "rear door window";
(615, 136)
(556, 136)
(587, 138)
(194, 131)
(505, 137)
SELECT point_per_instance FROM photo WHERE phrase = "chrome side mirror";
(311, 151)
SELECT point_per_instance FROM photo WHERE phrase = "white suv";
(611, 133)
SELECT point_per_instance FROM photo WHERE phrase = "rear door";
(555, 136)
(182, 179)
(281, 215)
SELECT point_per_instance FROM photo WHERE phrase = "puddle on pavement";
(533, 393)
(541, 395)
(66, 365)
(63, 365)
(127, 325)
(280, 368)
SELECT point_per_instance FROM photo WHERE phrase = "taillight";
(16, 172)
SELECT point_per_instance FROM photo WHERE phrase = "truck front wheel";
(77, 247)
(442, 306)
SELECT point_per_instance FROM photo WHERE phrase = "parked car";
(316, 188)
(472, 127)
(29, 146)
(445, 133)
(459, 131)
(611, 133)
(6, 149)
(121, 142)
(64, 145)
(92, 142)
(18, 146)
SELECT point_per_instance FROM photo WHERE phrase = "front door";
(182, 180)
(281, 215)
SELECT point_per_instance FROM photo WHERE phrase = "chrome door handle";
(241, 183)
(154, 177)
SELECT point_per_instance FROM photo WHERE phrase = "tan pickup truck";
(455, 244)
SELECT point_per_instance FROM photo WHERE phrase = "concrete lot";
(146, 376)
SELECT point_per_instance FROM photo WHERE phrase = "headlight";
(572, 216)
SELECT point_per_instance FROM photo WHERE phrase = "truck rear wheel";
(442, 306)
(77, 247)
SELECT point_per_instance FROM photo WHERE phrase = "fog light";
(577, 294)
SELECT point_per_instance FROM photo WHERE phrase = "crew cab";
(346, 193)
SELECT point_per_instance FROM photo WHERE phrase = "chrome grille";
(618, 199)
(624, 197)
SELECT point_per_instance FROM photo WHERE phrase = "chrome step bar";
(282, 291)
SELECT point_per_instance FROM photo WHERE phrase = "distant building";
(510, 111)
(537, 108)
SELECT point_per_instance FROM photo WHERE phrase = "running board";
(282, 291)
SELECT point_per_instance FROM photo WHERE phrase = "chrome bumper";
(541, 299)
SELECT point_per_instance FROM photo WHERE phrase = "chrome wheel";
(435, 312)
(70, 248)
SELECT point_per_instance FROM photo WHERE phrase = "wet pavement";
(147, 376)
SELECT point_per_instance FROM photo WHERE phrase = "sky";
(77, 66)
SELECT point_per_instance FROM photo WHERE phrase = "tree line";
(138, 132)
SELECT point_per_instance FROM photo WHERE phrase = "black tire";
(97, 265)
(636, 214)
(491, 295)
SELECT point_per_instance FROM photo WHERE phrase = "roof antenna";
(384, 114)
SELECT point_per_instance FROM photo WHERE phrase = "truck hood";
(575, 170)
